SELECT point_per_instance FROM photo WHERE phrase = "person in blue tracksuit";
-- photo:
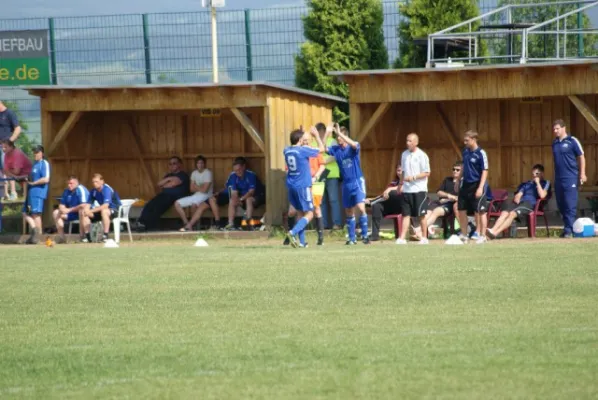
(569, 172)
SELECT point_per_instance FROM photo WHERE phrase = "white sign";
(212, 3)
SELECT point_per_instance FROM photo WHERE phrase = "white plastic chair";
(71, 223)
(123, 218)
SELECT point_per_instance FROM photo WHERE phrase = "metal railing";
(531, 32)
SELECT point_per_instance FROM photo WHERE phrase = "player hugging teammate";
(299, 181)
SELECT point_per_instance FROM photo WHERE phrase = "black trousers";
(153, 210)
(391, 206)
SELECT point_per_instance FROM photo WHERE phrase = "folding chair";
(398, 223)
(532, 218)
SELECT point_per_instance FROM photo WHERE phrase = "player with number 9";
(299, 181)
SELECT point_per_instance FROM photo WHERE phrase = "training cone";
(454, 240)
(111, 244)
(201, 243)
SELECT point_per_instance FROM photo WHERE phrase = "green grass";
(514, 320)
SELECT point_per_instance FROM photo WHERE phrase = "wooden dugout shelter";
(511, 106)
(128, 133)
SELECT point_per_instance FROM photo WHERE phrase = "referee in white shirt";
(416, 170)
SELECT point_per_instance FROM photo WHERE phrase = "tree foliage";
(341, 35)
(423, 17)
(23, 142)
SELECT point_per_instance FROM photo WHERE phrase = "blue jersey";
(475, 162)
(74, 198)
(347, 159)
(105, 196)
(41, 169)
(299, 171)
(244, 184)
(565, 154)
(530, 190)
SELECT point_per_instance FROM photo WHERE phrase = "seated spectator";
(9, 130)
(174, 185)
(243, 188)
(102, 206)
(71, 207)
(16, 164)
(390, 202)
(201, 186)
(524, 202)
(447, 199)
(36, 194)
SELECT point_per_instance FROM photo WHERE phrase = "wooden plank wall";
(287, 111)
(107, 137)
(515, 135)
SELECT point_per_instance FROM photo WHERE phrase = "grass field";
(511, 319)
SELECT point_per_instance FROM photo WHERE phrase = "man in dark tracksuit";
(567, 152)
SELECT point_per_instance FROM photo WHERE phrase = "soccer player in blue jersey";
(567, 152)
(472, 193)
(102, 206)
(37, 194)
(71, 207)
(243, 188)
(346, 154)
(524, 202)
(299, 181)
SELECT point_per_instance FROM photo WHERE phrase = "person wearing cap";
(36, 194)
(9, 130)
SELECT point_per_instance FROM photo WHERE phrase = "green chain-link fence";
(257, 44)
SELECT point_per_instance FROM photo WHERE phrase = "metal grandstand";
(518, 33)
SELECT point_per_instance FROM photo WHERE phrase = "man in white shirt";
(416, 170)
(201, 187)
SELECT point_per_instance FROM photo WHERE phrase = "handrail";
(469, 21)
(474, 36)
(550, 21)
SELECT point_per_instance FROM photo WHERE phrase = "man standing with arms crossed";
(567, 152)
(9, 130)
(416, 170)
(299, 182)
(472, 194)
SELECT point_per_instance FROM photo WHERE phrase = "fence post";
(53, 73)
(248, 46)
(146, 48)
(580, 36)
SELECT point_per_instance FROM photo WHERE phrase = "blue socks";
(299, 226)
(351, 228)
(302, 237)
(299, 229)
(363, 222)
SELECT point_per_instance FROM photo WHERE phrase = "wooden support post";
(87, 168)
(276, 193)
(373, 121)
(64, 130)
(249, 127)
(448, 129)
(47, 133)
(587, 113)
(145, 166)
(395, 157)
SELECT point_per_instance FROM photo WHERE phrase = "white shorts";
(194, 200)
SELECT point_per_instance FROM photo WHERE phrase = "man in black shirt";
(447, 198)
(174, 185)
(388, 203)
